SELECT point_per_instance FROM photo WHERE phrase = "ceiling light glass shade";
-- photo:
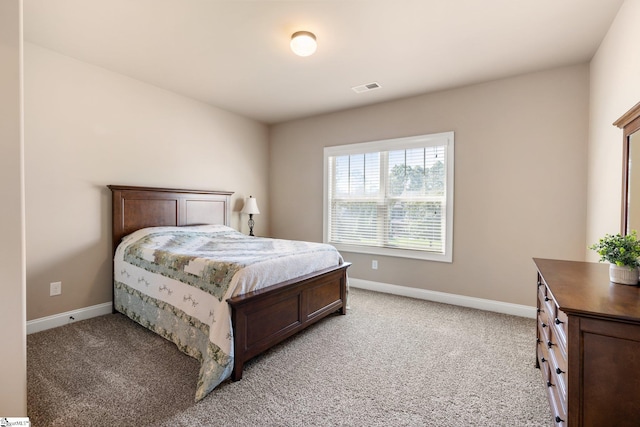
(303, 43)
(250, 206)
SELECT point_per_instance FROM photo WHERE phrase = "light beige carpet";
(391, 361)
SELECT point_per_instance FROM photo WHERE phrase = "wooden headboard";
(134, 208)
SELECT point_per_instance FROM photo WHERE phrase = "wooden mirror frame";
(629, 123)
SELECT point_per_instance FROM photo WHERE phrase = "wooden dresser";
(588, 344)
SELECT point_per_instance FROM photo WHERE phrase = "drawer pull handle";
(558, 321)
(543, 360)
(559, 371)
(549, 384)
(544, 325)
(559, 420)
(539, 310)
(547, 299)
(549, 344)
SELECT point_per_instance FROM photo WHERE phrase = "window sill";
(400, 253)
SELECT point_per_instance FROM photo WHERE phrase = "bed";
(259, 317)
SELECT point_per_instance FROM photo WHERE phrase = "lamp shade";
(303, 43)
(250, 206)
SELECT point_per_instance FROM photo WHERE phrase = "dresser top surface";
(584, 288)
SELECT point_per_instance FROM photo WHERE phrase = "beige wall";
(86, 127)
(615, 88)
(13, 367)
(520, 179)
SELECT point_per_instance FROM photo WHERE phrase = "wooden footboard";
(263, 318)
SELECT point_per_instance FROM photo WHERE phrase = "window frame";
(445, 139)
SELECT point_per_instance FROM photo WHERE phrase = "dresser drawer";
(558, 409)
(561, 323)
(543, 361)
(557, 359)
(555, 317)
(557, 401)
(543, 317)
(558, 374)
(543, 339)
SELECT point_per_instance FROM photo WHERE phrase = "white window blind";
(392, 197)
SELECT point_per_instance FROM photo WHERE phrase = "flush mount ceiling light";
(303, 43)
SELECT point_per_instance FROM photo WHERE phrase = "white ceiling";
(234, 54)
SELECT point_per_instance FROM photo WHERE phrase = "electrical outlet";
(374, 264)
(55, 288)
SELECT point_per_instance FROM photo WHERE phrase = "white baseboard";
(443, 297)
(61, 319)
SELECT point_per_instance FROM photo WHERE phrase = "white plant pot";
(623, 275)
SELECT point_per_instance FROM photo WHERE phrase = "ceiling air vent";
(366, 88)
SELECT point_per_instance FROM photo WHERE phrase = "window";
(391, 197)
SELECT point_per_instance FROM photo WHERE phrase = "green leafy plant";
(618, 249)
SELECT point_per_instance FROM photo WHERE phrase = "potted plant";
(622, 252)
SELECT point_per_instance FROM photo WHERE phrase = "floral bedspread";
(175, 281)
